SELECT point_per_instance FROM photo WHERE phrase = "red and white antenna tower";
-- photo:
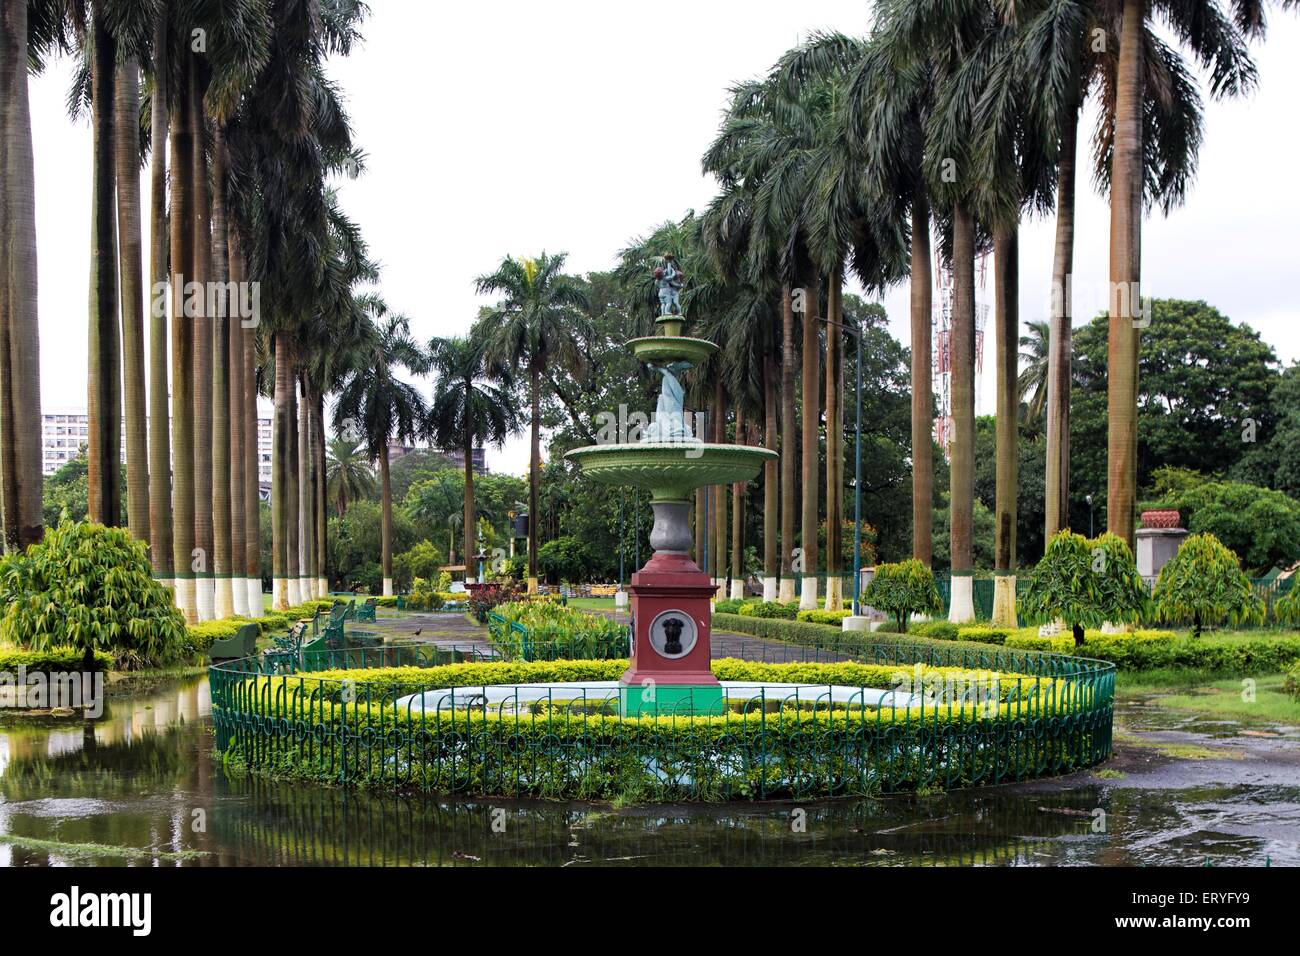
(941, 332)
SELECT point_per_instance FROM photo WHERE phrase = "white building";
(64, 431)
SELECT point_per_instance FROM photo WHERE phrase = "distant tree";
(903, 589)
(1204, 583)
(348, 476)
(1085, 584)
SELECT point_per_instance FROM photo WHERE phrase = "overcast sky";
(499, 128)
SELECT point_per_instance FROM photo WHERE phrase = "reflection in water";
(144, 777)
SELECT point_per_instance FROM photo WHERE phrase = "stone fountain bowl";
(671, 470)
(672, 348)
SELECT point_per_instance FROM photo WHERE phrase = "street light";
(857, 458)
(1088, 498)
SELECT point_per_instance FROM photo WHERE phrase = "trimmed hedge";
(53, 659)
(817, 616)
(769, 610)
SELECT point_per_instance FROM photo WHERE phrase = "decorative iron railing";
(984, 717)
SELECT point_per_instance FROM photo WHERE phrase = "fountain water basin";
(514, 697)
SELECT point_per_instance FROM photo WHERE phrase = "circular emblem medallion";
(673, 634)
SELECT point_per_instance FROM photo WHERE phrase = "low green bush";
(818, 616)
(204, 634)
(982, 634)
(50, 660)
(1291, 684)
(729, 606)
(770, 610)
(1060, 644)
(937, 630)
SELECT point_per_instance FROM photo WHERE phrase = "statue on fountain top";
(669, 422)
(669, 279)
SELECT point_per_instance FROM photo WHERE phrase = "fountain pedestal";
(669, 671)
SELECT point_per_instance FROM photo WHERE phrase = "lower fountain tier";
(671, 470)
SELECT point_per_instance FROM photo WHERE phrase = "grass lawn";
(592, 604)
(1214, 695)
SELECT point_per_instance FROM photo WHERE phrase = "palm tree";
(468, 407)
(160, 454)
(105, 374)
(1218, 40)
(348, 477)
(1035, 353)
(20, 401)
(131, 264)
(537, 325)
(382, 407)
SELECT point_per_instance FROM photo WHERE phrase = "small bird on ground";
(418, 630)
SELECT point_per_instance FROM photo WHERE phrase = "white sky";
(499, 128)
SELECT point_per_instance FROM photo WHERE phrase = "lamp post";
(857, 457)
(1088, 498)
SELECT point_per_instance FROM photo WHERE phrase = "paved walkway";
(452, 629)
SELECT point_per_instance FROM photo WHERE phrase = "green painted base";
(665, 700)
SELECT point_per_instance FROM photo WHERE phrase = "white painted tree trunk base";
(280, 588)
(834, 594)
(253, 594)
(183, 595)
(786, 591)
(738, 590)
(961, 604)
(769, 589)
(808, 596)
(225, 598)
(388, 586)
(205, 593)
(859, 623)
(620, 600)
(239, 596)
(322, 589)
(1004, 601)
(295, 598)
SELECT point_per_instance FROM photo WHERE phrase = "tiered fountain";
(671, 611)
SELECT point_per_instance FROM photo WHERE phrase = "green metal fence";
(1038, 715)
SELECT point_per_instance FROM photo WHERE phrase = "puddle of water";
(143, 777)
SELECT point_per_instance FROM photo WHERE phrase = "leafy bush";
(818, 616)
(729, 606)
(1287, 607)
(578, 634)
(51, 660)
(1085, 583)
(770, 610)
(422, 561)
(903, 589)
(1204, 583)
(92, 588)
(564, 559)
(1060, 644)
(938, 630)
(985, 635)
(1292, 682)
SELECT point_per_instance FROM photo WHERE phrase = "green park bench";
(243, 643)
(366, 612)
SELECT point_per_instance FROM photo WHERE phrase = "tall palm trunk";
(386, 522)
(922, 384)
(834, 441)
(771, 489)
(293, 506)
(961, 608)
(235, 414)
(280, 477)
(1125, 277)
(249, 460)
(789, 428)
(104, 448)
(20, 396)
(1061, 347)
(306, 530)
(718, 495)
(201, 391)
(810, 452)
(182, 445)
(131, 264)
(738, 520)
(222, 517)
(1006, 326)
(470, 520)
(160, 449)
(322, 538)
(534, 472)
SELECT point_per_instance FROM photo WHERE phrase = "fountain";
(671, 610)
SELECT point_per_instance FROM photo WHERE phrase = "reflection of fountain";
(670, 671)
